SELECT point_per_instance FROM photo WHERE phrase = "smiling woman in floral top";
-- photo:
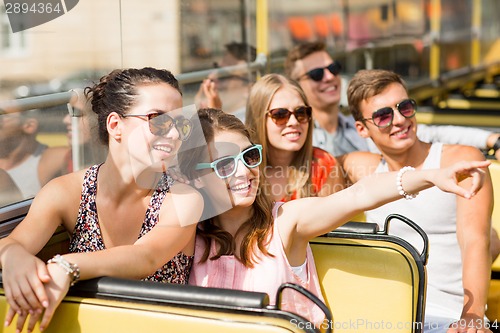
(124, 220)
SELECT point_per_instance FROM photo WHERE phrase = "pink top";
(266, 276)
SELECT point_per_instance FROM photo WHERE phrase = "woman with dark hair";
(124, 221)
(256, 245)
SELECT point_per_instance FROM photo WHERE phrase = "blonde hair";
(260, 98)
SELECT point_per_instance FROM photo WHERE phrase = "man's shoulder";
(363, 158)
(53, 162)
(359, 164)
(456, 153)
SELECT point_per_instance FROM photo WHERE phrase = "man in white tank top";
(459, 264)
(29, 163)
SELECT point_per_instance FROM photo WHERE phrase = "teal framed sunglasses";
(225, 167)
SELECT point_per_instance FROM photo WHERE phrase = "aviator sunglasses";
(161, 123)
(226, 166)
(280, 116)
(383, 117)
(316, 74)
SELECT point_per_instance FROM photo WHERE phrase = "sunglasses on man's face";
(316, 74)
(161, 123)
(226, 166)
(383, 117)
(280, 116)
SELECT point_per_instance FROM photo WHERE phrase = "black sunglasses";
(161, 123)
(280, 116)
(383, 117)
(316, 74)
(226, 166)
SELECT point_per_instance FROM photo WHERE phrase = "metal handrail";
(37, 102)
(449, 81)
(198, 76)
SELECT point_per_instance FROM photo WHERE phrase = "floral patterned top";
(87, 235)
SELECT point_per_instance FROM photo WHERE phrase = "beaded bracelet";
(71, 269)
(399, 183)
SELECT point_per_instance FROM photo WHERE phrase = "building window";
(11, 44)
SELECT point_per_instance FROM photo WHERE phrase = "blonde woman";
(279, 117)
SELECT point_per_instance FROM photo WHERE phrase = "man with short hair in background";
(319, 76)
(28, 162)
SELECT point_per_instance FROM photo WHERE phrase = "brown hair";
(117, 92)
(259, 225)
(242, 51)
(299, 52)
(259, 100)
(367, 83)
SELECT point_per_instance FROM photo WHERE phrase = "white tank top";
(25, 175)
(435, 212)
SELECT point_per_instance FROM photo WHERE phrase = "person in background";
(256, 238)
(90, 150)
(319, 76)
(28, 162)
(458, 228)
(125, 217)
(279, 118)
(229, 92)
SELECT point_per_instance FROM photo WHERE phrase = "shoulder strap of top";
(152, 213)
(89, 185)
